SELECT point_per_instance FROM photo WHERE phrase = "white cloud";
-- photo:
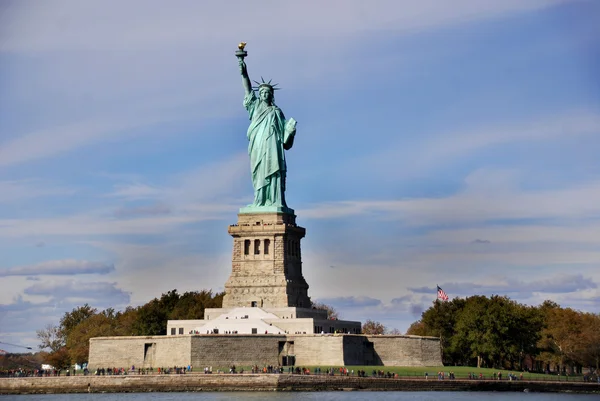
(136, 191)
(451, 145)
(144, 62)
(438, 150)
(351, 302)
(149, 270)
(60, 139)
(559, 284)
(487, 196)
(59, 268)
(196, 188)
(73, 289)
(18, 190)
(205, 193)
(70, 25)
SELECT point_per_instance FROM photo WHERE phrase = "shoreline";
(196, 382)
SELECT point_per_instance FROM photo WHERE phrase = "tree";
(591, 334)
(152, 317)
(373, 327)
(125, 322)
(191, 305)
(50, 338)
(151, 320)
(60, 358)
(568, 337)
(417, 329)
(440, 321)
(98, 325)
(73, 318)
(331, 312)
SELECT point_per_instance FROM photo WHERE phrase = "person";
(269, 135)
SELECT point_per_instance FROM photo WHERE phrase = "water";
(310, 396)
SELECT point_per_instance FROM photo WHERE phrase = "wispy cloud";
(54, 141)
(54, 28)
(455, 144)
(201, 194)
(147, 210)
(435, 151)
(18, 190)
(561, 284)
(351, 302)
(59, 268)
(480, 201)
(80, 289)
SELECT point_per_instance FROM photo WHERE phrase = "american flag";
(442, 294)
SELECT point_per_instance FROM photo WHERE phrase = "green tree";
(125, 322)
(466, 341)
(99, 325)
(151, 320)
(73, 318)
(191, 305)
(440, 321)
(56, 338)
(152, 317)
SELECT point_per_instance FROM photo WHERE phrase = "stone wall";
(272, 382)
(239, 350)
(222, 350)
(152, 351)
(354, 350)
(406, 350)
(318, 350)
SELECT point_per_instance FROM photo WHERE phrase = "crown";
(264, 84)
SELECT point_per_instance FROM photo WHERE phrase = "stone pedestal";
(266, 264)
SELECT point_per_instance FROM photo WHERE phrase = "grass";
(460, 372)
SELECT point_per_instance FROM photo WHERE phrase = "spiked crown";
(264, 84)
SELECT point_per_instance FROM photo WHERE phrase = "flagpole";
(437, 312)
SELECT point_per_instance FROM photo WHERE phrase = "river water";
(310, 396)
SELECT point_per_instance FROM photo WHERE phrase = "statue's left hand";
(290, 125)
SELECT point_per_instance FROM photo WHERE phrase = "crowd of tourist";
(20, 372)
(143, 371)
(266, 369)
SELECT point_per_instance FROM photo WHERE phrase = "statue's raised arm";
(270, 134)
(241, 53)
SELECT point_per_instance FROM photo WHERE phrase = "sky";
(438, 143)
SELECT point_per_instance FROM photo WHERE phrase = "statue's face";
(266, 95)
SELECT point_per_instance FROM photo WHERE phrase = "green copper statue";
(269, 135)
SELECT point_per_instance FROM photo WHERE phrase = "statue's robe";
(267, 140)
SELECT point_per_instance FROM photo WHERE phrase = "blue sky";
(451, 143)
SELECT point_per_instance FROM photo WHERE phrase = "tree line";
(475, 331)
(68, 342)
(501, 333)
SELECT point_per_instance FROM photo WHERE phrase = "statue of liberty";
(269, 135)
